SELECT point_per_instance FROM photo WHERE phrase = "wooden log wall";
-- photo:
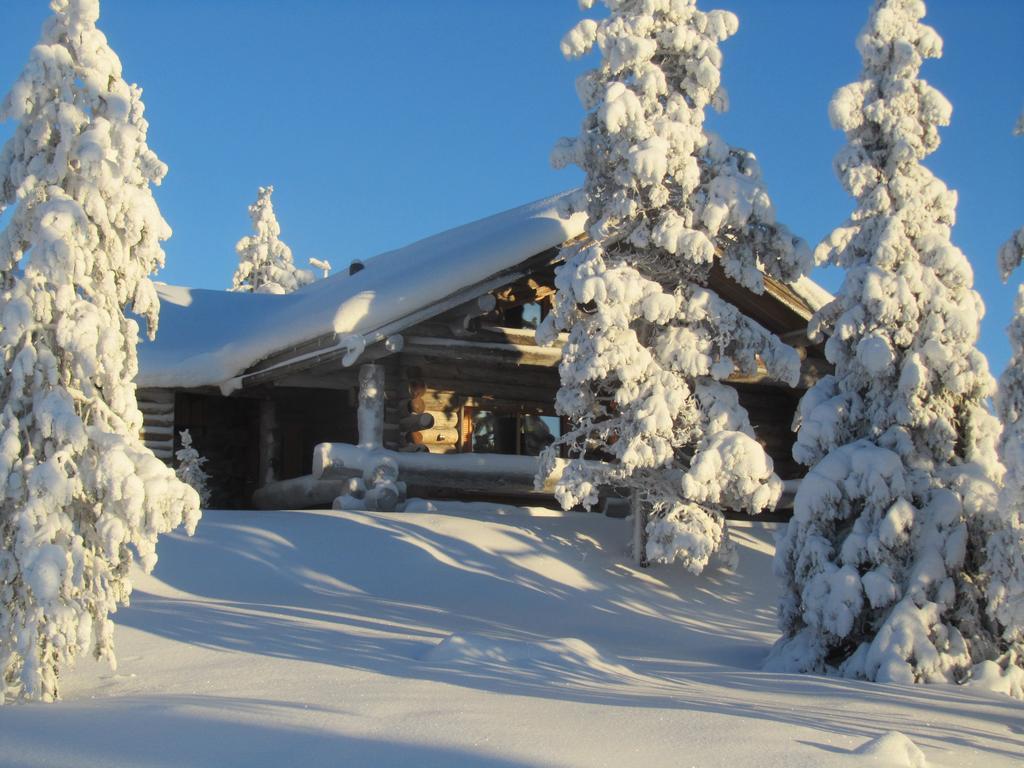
(429, 419)
(396, 402)
(771, 412)
(157, 406)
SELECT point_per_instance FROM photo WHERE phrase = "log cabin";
(427, 351)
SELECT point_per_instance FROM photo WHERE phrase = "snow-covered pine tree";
(190, 468)
(883, 561)
(650, 346)
(1005, 566)
(264, 262)
(80, 492)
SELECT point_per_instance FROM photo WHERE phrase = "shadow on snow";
(377, 592)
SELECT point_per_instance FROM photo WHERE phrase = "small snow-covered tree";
(883, 563)
(265, 263)
(650, 346)
(190, 468)
(80, 491)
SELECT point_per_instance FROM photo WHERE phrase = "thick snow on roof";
(808, 290)
(207, 337)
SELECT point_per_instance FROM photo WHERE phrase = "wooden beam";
(483, 351)
(492, 473)
(299, 493)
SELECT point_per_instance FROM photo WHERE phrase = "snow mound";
(567, 654)
(893, 750)
(478, 508)
(990, 676)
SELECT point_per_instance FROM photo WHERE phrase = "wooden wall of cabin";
(225, 430)
(771, 411)
(454, 394)
(305, 417)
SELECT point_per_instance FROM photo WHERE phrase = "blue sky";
(382, 122)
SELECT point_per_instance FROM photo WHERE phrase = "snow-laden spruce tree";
(265, 263)
(190, 468)
(1005, 589)
(649, 344)
(80, 492)
(883, 563)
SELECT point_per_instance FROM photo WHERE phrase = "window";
(509, 433)
(523, 316)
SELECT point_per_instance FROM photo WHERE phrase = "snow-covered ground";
(435, 639)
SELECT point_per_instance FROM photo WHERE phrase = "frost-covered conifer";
(190, 468)
(883, 562)
(80, 492)
(1005, 589)
(264, 262)
(649, 344)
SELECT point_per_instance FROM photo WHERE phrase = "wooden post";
(370, 414)
(639, 529)
(268, 442)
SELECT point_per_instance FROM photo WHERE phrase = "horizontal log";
(445, 419)
(441, 400)
(435, 437)
(507, 399)
(300, 493)
(455, 375)
(410, 448)
(156, 415)
(416, 421)
(411, 405)
(157, 431)
(491, 473)
(462, 316)
(439, 448)
(525, 336)
(460, 349)
(155, 396)
(158, 419)
(337, 380)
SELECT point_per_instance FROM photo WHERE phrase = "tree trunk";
(639, 529)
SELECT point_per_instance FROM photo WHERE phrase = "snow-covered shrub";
(265, 263)
(649, 345)
(81, 492)
(883, 563)
(190, 468)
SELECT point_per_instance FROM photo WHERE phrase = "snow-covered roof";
(207, 337)
(813, 294)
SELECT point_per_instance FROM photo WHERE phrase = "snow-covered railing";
(480, 472)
